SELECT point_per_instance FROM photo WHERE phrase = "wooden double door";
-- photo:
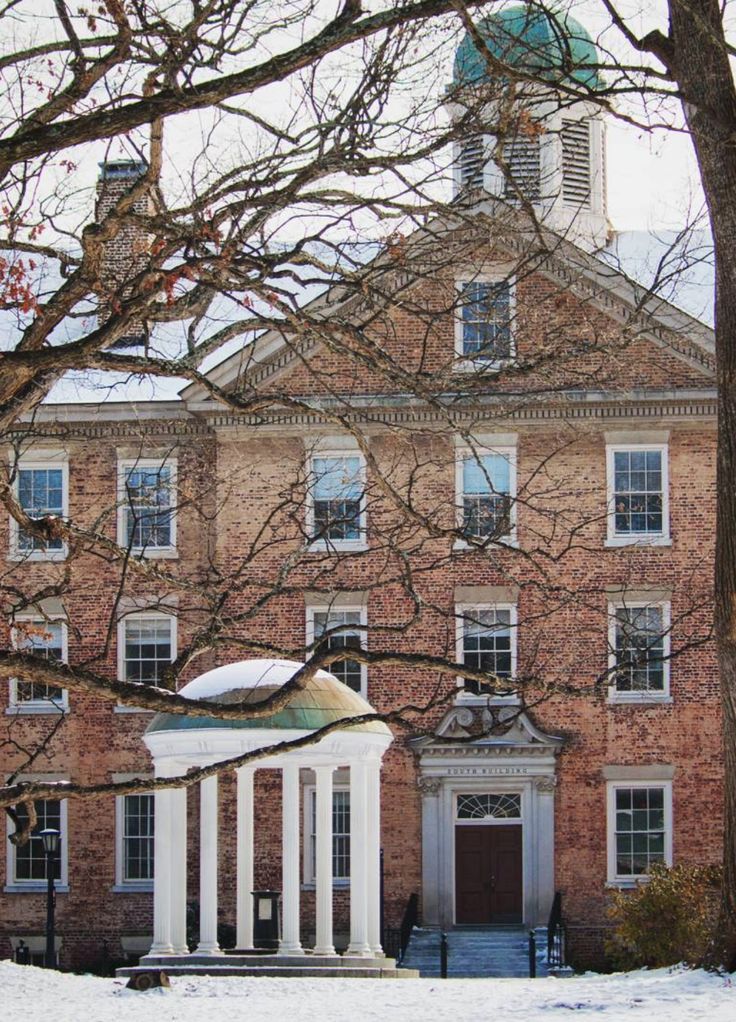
(488, 874)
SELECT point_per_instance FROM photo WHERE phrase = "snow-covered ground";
(670, 995)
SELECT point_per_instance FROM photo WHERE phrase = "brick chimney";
(126, 254)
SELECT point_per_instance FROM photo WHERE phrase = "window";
(637, 484)
(489, 807)
(576, 162)
(639, 828)
(338, 500)
(340, 835)
(484, 321)
(521, 156)
(487, 642)
(341, 628)
(42, 489)
(27, 863)
(47, 639)
(146, 499)
(486, 483)
(639, 643)
(135, 828)
(472, 161)
(146, 646)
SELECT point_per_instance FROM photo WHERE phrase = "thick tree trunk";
(700, 65)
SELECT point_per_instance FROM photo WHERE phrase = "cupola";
(534, 141)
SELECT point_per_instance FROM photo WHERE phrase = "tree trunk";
(700, 65)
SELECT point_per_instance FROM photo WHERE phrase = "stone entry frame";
(519, 758)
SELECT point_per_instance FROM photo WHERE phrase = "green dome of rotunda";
(554, 46)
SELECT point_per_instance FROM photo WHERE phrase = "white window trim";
(462, 452)
(614, 539)
(31, 707)
(56, 461)
(462, 362)
(121, 884)
(613, 879)
(139, 615)
(14, 886)
(614, 696)
(461, 609)
(308, 879)
(339, 608)
(336, 451)
(124, 466)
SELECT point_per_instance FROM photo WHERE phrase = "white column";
(432, 901)
(244, 859)
(162, 937)
(373, 855)
(179, 870)
(323, 944)
(208, 867)
(290, 943)
(358, 862)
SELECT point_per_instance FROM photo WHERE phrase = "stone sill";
(36, 710)
(143, 888)
(34, 888)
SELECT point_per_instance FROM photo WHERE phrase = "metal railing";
(397, 938)
(556, 934)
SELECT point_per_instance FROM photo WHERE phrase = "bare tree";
(278, 174)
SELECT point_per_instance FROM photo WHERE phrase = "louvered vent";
(472, 159)
(576, 163)
(521, 156)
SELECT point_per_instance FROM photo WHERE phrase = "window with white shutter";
(576, 162)
(472, 160)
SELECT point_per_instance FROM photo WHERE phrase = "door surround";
(520, 759)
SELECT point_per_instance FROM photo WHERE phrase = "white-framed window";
(146, 646)
(639, 828)
(488, 808)
(486, 641)
(638, 497)
(42, 488)
(134, 832)
(639, 649)
(339, 627)
(484, 321)
(336, 505)
(147, 506)
(27, 863)
(47, 638)
(340, 834)
(485, 483)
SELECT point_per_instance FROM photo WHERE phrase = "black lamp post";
(51, 838)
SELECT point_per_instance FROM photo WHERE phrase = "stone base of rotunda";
(310, 965)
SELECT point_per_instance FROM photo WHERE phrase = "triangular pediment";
(650, 322)
(485, 725)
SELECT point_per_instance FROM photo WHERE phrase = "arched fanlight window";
(494, 807)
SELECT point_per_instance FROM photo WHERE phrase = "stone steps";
(473, 953)
(306, 965)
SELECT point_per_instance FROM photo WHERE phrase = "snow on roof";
(245, 674)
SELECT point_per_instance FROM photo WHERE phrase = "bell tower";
(533, 143)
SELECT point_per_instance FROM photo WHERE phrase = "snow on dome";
(245, 674)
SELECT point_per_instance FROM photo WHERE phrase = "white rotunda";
(178, 743)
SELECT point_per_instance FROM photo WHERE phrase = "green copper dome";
(322, 701)
(554, 46)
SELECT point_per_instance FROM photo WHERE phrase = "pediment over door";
(472, 730)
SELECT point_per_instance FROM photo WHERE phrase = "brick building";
(516, 474)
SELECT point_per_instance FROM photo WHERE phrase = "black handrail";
(397, 938)
(556, 934)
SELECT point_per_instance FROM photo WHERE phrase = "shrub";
(668, 918)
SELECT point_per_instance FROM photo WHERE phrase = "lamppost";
(51, 838)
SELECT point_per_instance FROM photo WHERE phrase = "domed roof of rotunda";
(554, 46)
(322, 701)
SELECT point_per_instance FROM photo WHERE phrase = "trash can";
(266, 919)
(23, 954)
